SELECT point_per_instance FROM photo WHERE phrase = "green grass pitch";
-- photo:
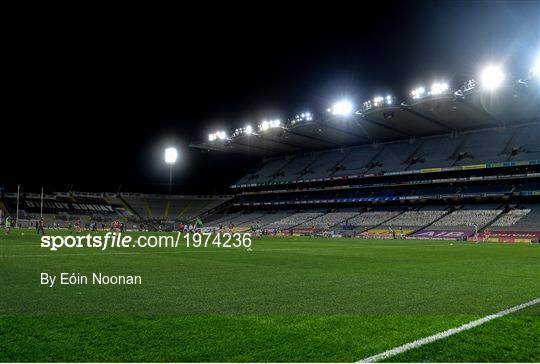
(288, 299)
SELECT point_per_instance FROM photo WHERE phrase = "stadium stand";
(435, 152)
(293, 220)
(356, 161)
(482, 147)
(467, 148)
(432, 168)
(415, 218)
(266, 172)
(525, 144)
(295, 168)
(371, 219)
(64, 209)
(439, 186)
(324, 164)
(181, 208)
(511, 218)
(329, 220)
(469, 217)
(393, 157)
(530, 220)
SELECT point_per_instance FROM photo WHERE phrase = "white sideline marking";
(441, 335)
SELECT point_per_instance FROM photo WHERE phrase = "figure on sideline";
(41, 227)
(8, 224)
(76, 227)
(475, 233)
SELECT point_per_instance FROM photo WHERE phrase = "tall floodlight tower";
(171, 155)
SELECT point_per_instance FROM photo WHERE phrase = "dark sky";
(93, 97)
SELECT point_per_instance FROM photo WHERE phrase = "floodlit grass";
(288, 299)
(508, 339)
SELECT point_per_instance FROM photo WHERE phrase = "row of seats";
(372, 218)
(293, 220)
(330, 219)
(386, 193)
(436, 217)
(468, 218)
(529, 220)
(443, 151)
(415, 218)
(174, 208)
(511, 218)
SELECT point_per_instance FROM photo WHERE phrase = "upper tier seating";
(295, 168)
(472, 148)
(322, 167)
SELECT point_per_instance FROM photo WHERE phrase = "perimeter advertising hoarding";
(510, 236)
(386, 233)
(427, 234)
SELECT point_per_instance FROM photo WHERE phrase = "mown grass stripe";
(441, 335)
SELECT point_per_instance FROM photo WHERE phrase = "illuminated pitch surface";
(289, 299)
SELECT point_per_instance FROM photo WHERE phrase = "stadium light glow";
(535, 71)
(171, 154)
(268, 124)
(418, 92)
(439, 88)
(366, 105)
(377, 101)
(491, 77)
(342, 108)
(305, 116)
(221, 135)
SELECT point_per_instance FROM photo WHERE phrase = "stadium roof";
(468, 108)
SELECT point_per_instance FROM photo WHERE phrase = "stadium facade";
(445, 164)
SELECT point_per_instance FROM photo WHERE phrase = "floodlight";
(211, 137)
(249, 129)
(171, 154)
(492, 77)
(418, 92)
(378, 100)
(221, 135)
(535, 71)
(343, 108)
(367, 105)
(439, 88)
(305, 116)
(267, 124)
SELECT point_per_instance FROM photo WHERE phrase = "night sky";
(93, 98)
